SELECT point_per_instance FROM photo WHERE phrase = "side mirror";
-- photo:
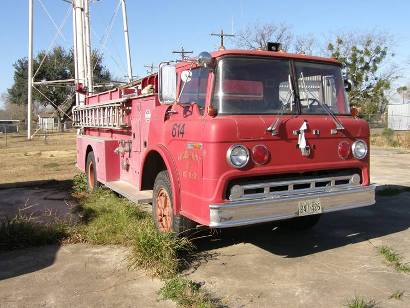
(167, 83)
(348, 85)
(205, 60)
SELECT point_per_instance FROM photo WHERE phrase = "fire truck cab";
(231, 138)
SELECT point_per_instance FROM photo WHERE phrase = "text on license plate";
(309, 207)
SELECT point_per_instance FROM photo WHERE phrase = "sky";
(158, 27)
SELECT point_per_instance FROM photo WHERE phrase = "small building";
(47, 121)
(9, 126)
(398, 117)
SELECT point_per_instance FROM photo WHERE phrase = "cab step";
(130, 192)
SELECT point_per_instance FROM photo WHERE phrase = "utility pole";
(183, 53)
(78, 11)
(222, 35)
(150, 68)
(127, 40)
(90, 83)
(30, 67)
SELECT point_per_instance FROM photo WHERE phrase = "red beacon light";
(260, 154)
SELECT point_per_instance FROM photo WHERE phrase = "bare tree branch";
(257, 36)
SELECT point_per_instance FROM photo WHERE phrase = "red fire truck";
(228, 139)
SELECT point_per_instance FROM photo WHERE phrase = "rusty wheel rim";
(91, 179)
(163, 210)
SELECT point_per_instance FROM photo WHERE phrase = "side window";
(194, 91)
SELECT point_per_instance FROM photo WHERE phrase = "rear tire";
(163, 214)
(91, 171)
(301, 223)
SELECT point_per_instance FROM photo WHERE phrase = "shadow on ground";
(390, 214)
(36, 199)
(24, 261)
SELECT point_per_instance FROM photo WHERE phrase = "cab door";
(184, 126)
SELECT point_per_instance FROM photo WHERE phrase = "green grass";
(22, 232)
(359, 302)
(161, 254)
(186, 293)
(397, 295)
(394, 259)
(79, 184)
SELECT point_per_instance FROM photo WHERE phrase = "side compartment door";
(136, 140)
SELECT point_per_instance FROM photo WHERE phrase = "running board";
(130, 192)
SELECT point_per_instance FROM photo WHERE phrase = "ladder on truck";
(110, 115)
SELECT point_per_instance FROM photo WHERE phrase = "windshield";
(253, 86)
(319, 85)
(264, 86)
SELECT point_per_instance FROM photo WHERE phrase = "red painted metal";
(196, 160)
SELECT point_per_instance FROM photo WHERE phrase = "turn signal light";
(260, 154)
(344, 150)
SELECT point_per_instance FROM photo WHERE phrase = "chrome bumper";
(247, 212)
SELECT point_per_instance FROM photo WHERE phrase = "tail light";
(260, 154)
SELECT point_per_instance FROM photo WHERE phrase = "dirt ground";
(257, 266)
(39, 159)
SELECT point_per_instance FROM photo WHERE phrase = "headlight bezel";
(354, 148)
(229, 156)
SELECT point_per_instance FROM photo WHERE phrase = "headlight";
(237, 156)
(359, 149)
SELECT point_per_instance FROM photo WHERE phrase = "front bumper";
(247, 212)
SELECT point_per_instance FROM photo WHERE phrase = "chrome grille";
(276, 189)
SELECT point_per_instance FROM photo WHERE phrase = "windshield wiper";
(339, 125)
(274, 127)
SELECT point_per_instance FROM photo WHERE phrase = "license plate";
(309, 207)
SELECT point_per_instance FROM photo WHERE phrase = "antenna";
(222, 35)
(150, 68)
(183, 53)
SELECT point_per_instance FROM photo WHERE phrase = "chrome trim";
(354, 147)
(238, 191)
(228, 155)
(239, 213)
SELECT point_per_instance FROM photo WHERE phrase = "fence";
(375, 120)
(399, 116)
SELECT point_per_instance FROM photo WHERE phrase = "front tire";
(91, 171)
(163, 207)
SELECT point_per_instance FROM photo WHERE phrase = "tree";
(403, 91)
(364, 57)
(58, 64)
(258, 35)
(305, 44)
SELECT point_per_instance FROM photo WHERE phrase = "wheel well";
(89, 149)
(152, 166)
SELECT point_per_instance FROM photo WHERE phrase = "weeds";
(359, 302)
(393, 259)
(22, 232)
(107, 219)
(159, 253)
(79, 184)
(186, 293)
(397, 295)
